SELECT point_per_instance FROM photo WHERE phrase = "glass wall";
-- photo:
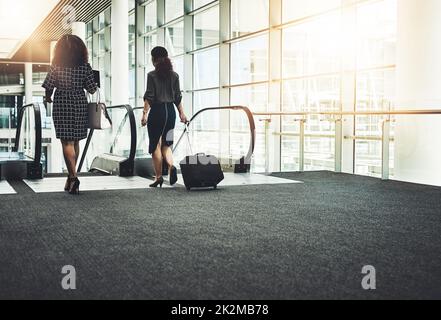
(311, 59)
(99, 46)
(375, 79)
(287, 55)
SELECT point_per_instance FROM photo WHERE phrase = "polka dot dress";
(70, 112)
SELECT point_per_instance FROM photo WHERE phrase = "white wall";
(418, 138)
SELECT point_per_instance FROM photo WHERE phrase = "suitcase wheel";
(188, 188)
(215, 187)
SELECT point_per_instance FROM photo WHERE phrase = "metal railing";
(129, 115)
(337, 118)
(36, 156)
(252, 127)
(245, 160)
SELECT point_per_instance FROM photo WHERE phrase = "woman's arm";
(182, 113)
(145, 112)
(178, 100)
(49, 84)
(89, 81)
(48, 96)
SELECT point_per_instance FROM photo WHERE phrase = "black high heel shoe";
(158, 182)
(67, 185)
(75, 187)
(173, 175)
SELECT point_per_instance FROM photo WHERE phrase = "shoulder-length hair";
(162, 62)
(70, 51)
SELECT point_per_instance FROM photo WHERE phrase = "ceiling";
(18, 19)
(36, 48)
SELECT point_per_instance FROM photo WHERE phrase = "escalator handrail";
(38, 130)
(247, 158)
(251, 122)
(130, 114)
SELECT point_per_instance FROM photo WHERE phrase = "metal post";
(275, 87)
(302, 145)
(338, 145)
(267, 145)
(86, 147)
(9, 134)
(385, 150)
(224, 77)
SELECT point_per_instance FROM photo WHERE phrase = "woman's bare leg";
(77, 151)
(70, 157)
(168, 156)
(157, 161)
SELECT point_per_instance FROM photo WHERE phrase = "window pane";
(375, 91)
(101, 44)
(203, 61)
(312, 47)
(101, 21)
(150, 43)
(256, 98)
(89, 45)
(295, 9)
(200, 3)
(150, 16)
(178, 66)
(206, 135)
(206, 28)
(132, 57)
(132, 34)
(248, 16)
(132, 81)
(310, 94)
(173, 9)
(376, 29)
(175, 39)
(131, 4)
(89, 29)
(249, 60)
(290, 158)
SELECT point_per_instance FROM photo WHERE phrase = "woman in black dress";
(162, 94)
(71, 74)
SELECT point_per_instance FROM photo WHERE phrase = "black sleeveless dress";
(162, 95)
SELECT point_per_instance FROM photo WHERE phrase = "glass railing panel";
(367, 150)
(29, 143)
(290, 143)
(11, 79)
(319, 144)
(142, 148)
(113, 141)
(7, 129)
(208, 136)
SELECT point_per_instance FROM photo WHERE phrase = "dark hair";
(163, 65)
(70, 51)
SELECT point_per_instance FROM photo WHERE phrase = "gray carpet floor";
(299, 241)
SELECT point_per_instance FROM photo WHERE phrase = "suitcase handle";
(187, 133)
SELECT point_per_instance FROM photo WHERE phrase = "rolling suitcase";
(200, 170)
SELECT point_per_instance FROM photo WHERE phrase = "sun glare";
(18, 19)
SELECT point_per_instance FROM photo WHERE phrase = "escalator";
(144, 163)
(22, 160)
(112, 151)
